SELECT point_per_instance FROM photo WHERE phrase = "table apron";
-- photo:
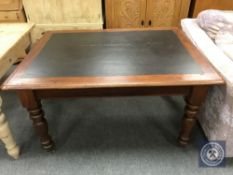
(111, 92)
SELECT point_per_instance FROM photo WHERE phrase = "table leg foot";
(36, 114)
(193, 103)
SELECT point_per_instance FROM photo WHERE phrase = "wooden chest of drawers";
(9, 4)
(11, 11)
(63, 15)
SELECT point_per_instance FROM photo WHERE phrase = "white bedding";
(218, 25)
(214, 54)
(215, 22)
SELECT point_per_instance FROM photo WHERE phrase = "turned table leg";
(36, 114)
(193, 103)
(6, 136)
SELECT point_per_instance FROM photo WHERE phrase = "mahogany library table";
(112, 63)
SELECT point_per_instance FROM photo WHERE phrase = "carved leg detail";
(36, 113)
(6, 136)
(193, 103)
(189, 120)
(41, 127)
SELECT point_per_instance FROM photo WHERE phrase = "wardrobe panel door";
(125, 13)
(163, 13)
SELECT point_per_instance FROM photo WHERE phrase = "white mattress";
(201, 40)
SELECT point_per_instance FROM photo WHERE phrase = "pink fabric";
(215, 21)
(219, 26)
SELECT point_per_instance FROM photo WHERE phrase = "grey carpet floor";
(105, 136)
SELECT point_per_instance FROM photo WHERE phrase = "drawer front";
(9, 16)
(10, 4)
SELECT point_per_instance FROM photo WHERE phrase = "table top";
(112, 54)
(113, 58)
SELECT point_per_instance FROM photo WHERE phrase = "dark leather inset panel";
(112, 54)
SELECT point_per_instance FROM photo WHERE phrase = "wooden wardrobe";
(200, 5)
(145, 13)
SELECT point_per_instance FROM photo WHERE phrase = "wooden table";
(112, 63)
(13, 42)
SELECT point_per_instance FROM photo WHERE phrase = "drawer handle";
(150, 23)
(142, 23)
